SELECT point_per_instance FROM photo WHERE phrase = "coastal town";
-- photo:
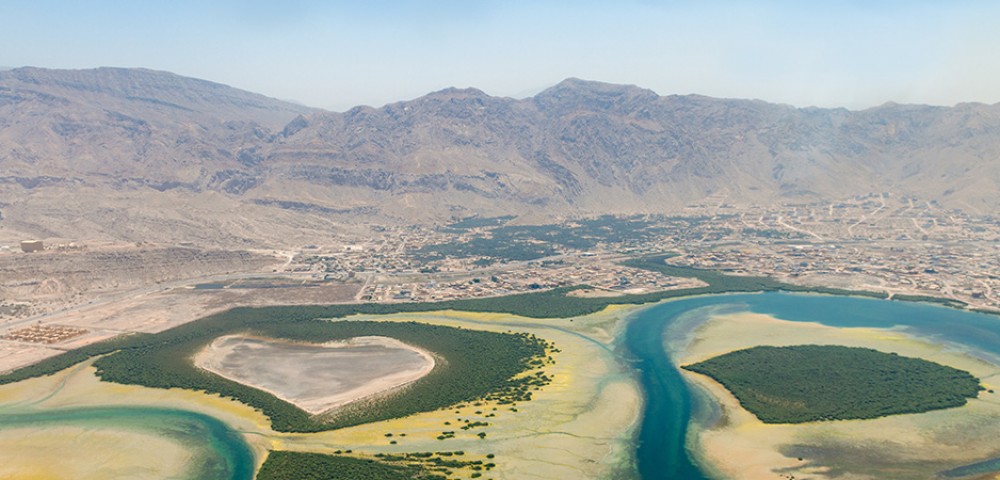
(59, 295)
(896, 247)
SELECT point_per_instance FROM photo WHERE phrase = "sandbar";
(735, 444)
(582, 425)
(317, 377)
(85, 452)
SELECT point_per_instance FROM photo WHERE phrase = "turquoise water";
(222, 453)
(661, 452)
(978, 468)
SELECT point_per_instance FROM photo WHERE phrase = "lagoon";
(654, 333)
(652, 337)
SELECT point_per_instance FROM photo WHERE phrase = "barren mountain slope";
(143, 155)
(132, 125)
(583, 147)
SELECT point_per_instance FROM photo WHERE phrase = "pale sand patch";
(899, 446)
(594, 293)
(84, 453)
(14, 355)
(317, 377)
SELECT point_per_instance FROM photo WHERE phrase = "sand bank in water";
(81, 453)
(914, 446)
(582, 425)
(104, 449)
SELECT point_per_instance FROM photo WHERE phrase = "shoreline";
(602, 328)
(504, 305)
(740, 445)
(579, 426)
(212, 355)
(79, 389)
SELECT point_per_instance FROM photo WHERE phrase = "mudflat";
(912, 446)
(89, 452)
(317, 377)
(582, 425)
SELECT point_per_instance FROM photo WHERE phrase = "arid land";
(153, 217)
(96, 290)
(882, 243)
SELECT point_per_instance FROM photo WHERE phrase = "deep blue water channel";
(661, 452)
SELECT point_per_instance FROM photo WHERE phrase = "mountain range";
(137, 154)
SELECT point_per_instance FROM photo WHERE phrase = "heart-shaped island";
(316, 377)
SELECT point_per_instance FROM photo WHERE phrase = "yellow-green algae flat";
(84, 453)
(579, 426)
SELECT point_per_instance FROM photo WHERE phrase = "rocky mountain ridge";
(578, 148)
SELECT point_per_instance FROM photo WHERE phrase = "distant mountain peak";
(579, 147)
(577, 93)
(115, 80)
(453, 92)
(144, 91)
(592, 87)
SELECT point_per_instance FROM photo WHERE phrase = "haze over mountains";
(142, 155)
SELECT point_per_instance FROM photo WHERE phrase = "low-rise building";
(29, 246)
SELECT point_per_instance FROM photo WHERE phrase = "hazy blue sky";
(337, 54)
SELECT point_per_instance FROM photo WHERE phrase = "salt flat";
(316, 377)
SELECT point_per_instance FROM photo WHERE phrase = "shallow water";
(652, 334)
(221, 453)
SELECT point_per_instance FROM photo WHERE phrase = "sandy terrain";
(155, 309)
(99, 452)
(594, 293)
(158, 309)
(902, 446)
(18, 354)
(63, 276)
(580, 426)
(87, 453)
(317, 377)
(112, 288)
